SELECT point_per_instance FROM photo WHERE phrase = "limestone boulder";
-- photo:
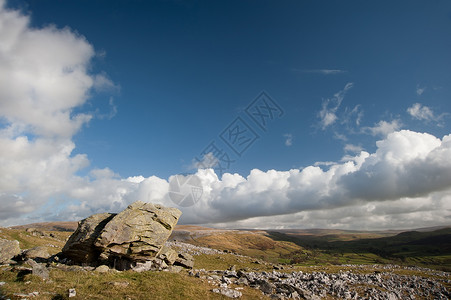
(138, 232)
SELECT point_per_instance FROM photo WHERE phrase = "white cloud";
(383, 128)
(328, 113)
(44, 76)
(41, 84)
(420, 112)
(420, 90)
(288, 139)
(207, 161)
(353, 148)
(404, 183)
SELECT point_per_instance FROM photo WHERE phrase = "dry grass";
(251, 244)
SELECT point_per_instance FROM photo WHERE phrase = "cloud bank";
(45, 78)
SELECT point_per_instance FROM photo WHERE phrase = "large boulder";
(8, 250)
(136, 234)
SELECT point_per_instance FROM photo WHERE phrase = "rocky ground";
(342, 285)
(353, 282)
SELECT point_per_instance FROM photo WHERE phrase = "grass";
(27, 240)
(114, 285)
(250, 244)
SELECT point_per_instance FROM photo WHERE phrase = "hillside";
(313, 260)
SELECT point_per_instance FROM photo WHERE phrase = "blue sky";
(155, 82)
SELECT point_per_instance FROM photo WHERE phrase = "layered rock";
(136, 234)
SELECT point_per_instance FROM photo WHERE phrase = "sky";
(293, 114)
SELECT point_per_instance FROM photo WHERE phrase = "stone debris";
(102, 269)
(38, 269)
(29, 295)
(231, 293)
(342, 285)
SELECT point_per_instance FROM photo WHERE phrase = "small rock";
(231, 293)
(168, 255)
(185, 260)
(2, 283)
(175, 269)
(122, 284)
(36, 252)
(102, 269)
(266, 287)
(38, 269)
(143, 266)
(72, 293)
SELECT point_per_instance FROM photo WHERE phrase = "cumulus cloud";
(44, 76)
(404, 182)
(328, 113)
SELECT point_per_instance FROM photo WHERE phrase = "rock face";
(8, 249)
(136, 234)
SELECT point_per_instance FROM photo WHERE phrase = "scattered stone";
(319, 285)
(38, 269)
(185, 260)
(2, 283)
(102, 269)
(266, 287)
(175, 269)
(72, 293)
(8, 250)
(231, 293)
(143, 266)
